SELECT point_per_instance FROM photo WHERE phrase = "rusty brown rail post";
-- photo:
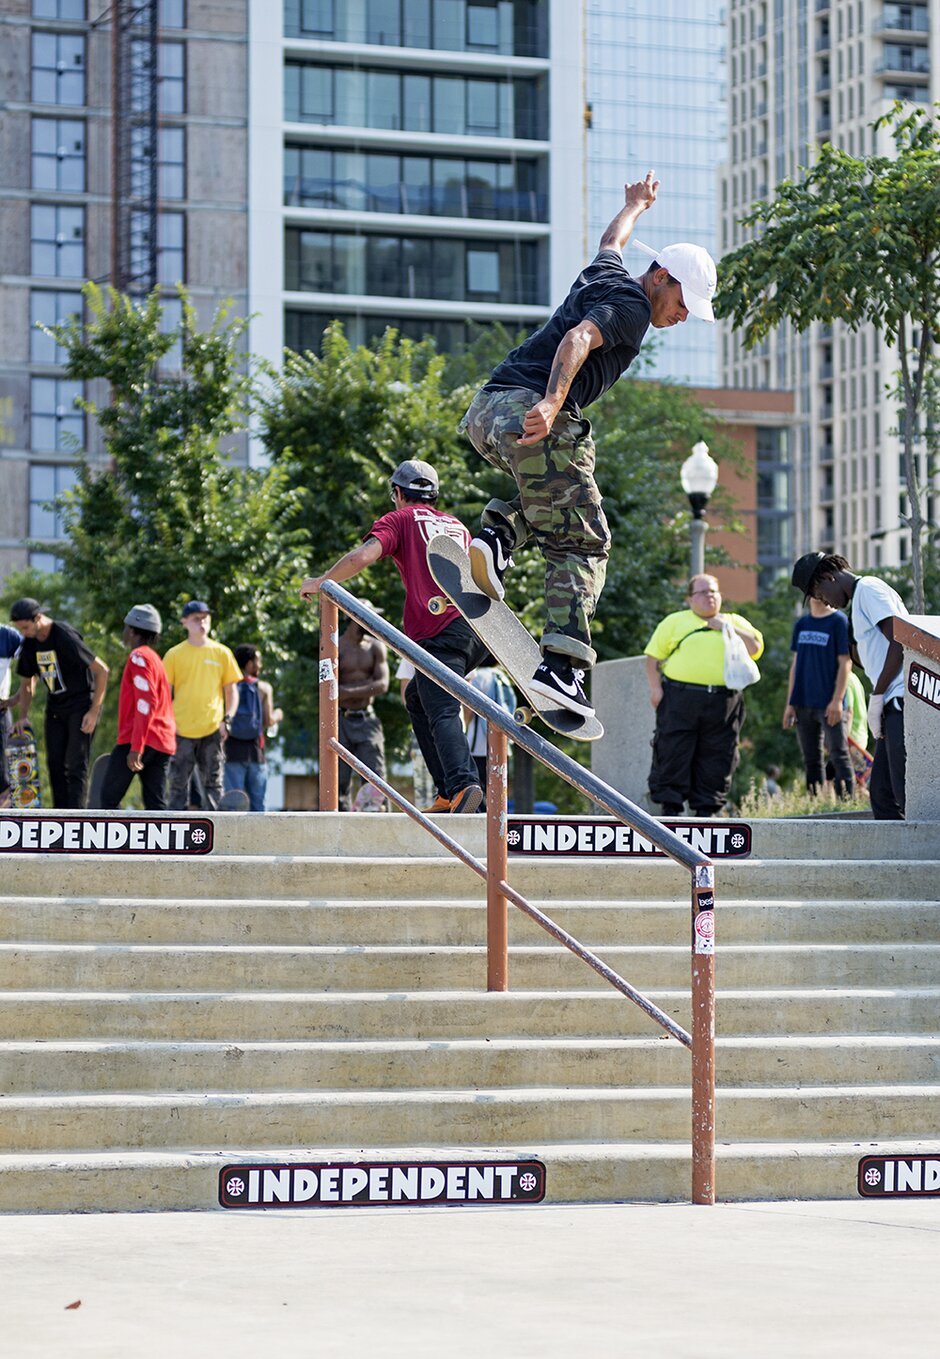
(329, 703)
(497, 863)
(703, 1035)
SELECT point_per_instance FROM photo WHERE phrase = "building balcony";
(822, 42)
(912, 20)
(824, 124)
(823, 83)
(905, 64)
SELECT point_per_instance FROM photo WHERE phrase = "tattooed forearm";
(561, 377)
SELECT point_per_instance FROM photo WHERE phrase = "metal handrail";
(500, 728)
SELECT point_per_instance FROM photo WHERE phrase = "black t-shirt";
(61, 662)
(605, 294)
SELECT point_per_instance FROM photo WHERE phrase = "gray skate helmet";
(418, 478)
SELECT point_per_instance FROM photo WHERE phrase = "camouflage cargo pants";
(558, 503)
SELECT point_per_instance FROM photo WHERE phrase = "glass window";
(58, 9)
(55, 423)
(171, 248)
(383, 24)
(58, 154)
(417, 273)
(483, 273)
(171, 13)
(312, 269)
(171, 164)
(449, 194)
(448, 269)
(383, 264)
(416, 23)
(483, 24)
(449, 104)
(417, 103)
(50, 309)
(171, 319)
(484, 107)
(47, 481)
(382, 99)
(449, 24)
(309, 18)
(171, 77)
(349, 263)
(58, 69)
(57, 241)
(351, 98)
(382, 179)
(416, 184)
(45, 561)
(349, 183)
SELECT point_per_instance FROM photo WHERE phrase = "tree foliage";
(856, 240)
(170, 517)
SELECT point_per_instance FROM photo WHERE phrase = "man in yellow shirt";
(698, 719)
(204, 676)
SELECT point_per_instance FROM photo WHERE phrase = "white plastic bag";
(740, 670)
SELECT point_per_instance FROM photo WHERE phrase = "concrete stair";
(314, 989)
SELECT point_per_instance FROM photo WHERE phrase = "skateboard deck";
(96, 782)
(23, 770)
(498, 628)
(235, 800)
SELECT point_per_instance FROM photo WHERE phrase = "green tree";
(857, 239)
(170, 517)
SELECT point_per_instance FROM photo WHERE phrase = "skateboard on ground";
(499, 629)
(23, 770)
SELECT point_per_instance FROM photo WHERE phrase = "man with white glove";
(876, 705)
(872, 607)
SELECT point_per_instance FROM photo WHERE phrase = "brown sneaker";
(468, 799)
(440, 804)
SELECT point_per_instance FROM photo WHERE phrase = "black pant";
(814, 732)
(695, 748)
(68, 751)
(118, 778)
(886, 787)
(362, 734)
(435, 715)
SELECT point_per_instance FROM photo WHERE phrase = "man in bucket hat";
(146, 738)
(527, 421)
(871, 605)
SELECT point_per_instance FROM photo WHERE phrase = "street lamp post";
(699, 477)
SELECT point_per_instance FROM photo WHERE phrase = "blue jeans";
(250, 778)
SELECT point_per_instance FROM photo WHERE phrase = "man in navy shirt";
(527, 421)
(819, 673)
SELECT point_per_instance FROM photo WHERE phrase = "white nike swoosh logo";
(571, 689)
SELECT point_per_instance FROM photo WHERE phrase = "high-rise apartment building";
(410, 162)
(656, 90)
(55, 211)
(803, 72)
(416, 163)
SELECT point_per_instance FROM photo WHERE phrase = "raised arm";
(636, 199)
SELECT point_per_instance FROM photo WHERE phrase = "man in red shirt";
(404, 535)
(146, 728)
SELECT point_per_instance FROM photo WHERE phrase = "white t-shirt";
(873, 602)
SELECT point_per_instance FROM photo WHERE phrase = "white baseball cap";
(695, 269)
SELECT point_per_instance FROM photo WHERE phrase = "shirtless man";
(363, 675)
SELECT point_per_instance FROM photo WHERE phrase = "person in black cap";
(404, 535)
(146, 738)
(75, 680)
(871, 604)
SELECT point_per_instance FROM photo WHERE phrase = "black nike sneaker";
(490, 559)
(556, 678)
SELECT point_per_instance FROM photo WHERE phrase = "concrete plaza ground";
(844, 1278)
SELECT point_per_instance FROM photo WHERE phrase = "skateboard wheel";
(523, 716)
(437, 604)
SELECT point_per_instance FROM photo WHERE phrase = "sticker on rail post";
(590, 837)
(899, 1177)
(703, 921)
(381, 1184)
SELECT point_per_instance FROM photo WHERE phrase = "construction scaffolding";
(134, 145)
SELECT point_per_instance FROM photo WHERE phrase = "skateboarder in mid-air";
(403, 535)
(527, 421)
